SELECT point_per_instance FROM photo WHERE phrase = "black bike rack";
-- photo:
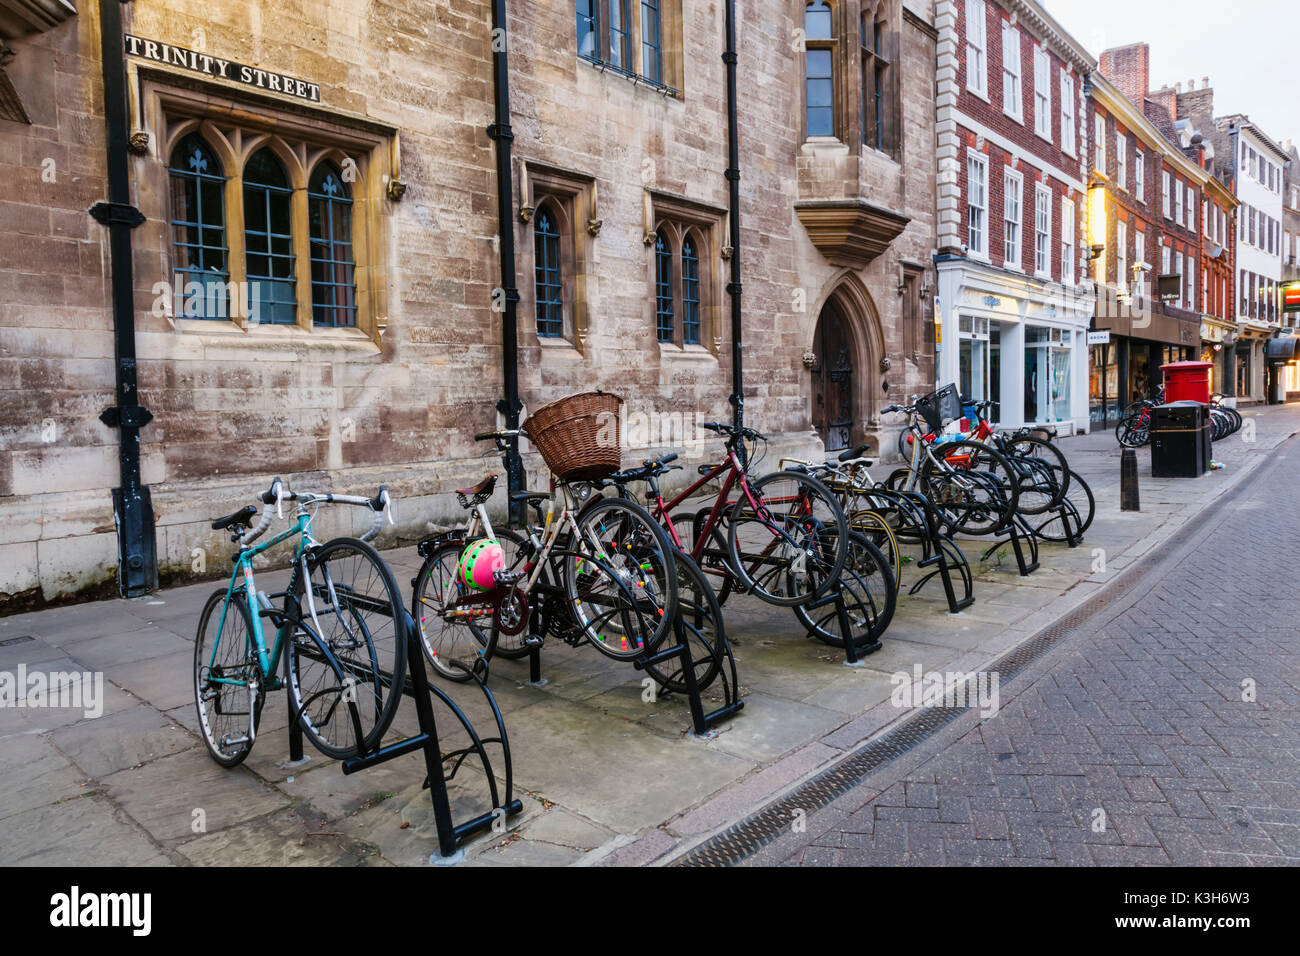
(1018, 532)
(417, 686)
(836, 596)
(543, 619)
(1070, 523)
(918, 519)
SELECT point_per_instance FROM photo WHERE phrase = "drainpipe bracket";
(500, 131)
(116, 214)
(126, 416)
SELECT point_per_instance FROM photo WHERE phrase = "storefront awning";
(1282, 350)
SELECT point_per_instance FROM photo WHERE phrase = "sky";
(1248, 49)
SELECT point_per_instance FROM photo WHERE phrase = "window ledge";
(978, 94)
(824, 144)
(226, 332)
(558, 346)
(685, 353)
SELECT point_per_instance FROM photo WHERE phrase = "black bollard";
(1128, 481)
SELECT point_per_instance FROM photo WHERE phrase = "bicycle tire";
(464, 641)
(1028, 446)
(377, 670)
(221, 748)
(870, 595)
(1080, 494)
(634, 550)
(956, 492)
(820, 537)
(699, 623)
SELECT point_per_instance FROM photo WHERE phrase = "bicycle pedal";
(505, 576)
(534, 640)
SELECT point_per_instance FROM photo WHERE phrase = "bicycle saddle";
(240, 517)
(849, 454)
(481, 492)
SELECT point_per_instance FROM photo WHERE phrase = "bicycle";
(786, 536)
(340, 629)
(1042, 474)
(972, 485)
(604, 559)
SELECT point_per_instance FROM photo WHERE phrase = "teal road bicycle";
(339, 630)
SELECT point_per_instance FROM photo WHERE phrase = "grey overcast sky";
(1248, 49)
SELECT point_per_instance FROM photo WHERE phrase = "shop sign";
(1099, 338)
(270, 80)
(1291, 297)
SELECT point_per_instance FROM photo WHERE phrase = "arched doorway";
(833, 385)
(845, 360)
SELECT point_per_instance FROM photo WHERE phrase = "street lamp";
(1096, 219)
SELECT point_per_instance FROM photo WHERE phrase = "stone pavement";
(1166, 731)
(606, 777)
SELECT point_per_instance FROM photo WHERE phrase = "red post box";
(1187, 381)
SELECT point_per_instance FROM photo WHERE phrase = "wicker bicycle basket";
(578, 436)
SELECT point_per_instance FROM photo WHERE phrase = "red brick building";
(1146, 229)
(1011, 138)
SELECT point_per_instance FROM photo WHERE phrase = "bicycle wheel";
(1079, 504)
(346, 659)
(699, 625)
(787, 538)
(972, 484)
(1051, 482)
(450, 634)
(620, 578)
(226, 685)
(876, 528)
(869, 591)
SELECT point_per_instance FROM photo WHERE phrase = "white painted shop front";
(1017, 341)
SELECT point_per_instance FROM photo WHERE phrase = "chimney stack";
(1129, 68)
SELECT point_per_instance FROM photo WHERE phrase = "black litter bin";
(1180, 440)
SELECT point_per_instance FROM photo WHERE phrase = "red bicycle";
(786, 537)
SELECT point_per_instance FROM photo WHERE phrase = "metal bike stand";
(1017, 530)
(836, 596)
(1070, 522)
(416, 685)
(942, 553)
(700, 721)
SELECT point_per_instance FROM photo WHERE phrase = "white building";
(1259, 179)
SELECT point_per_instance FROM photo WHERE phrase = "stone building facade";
(317, 284)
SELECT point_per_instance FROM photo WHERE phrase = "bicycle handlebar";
(380, 504)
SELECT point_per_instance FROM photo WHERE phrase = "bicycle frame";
(269, 661)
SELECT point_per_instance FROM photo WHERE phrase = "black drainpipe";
(737, 398)
(132, 508)
(499, 131)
